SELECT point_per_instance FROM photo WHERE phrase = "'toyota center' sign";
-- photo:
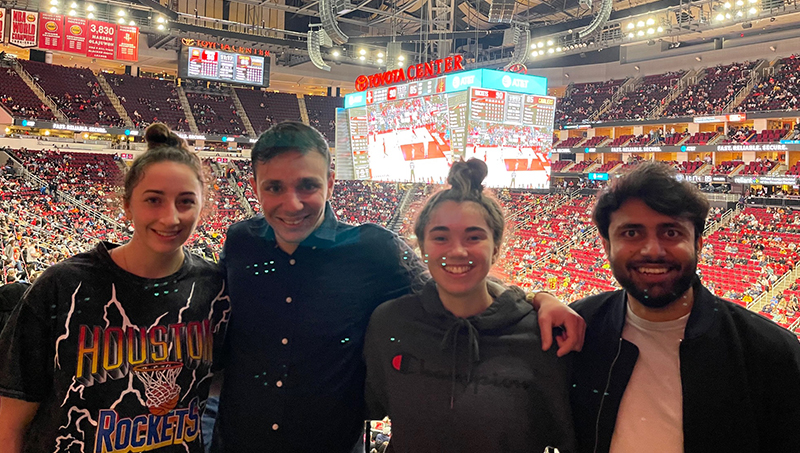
(418, 71)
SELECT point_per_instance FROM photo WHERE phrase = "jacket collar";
(700, 320)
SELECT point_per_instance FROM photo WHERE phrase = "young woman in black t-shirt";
(111, 350)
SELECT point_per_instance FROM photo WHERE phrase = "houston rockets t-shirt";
(117, 362)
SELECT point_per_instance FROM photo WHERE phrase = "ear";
(495, 254)
(255, 188)
(331, 183)
(698, 245)
(126, 209)
(606, 247)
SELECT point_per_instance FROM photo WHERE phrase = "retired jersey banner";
(101, 41)
(24, 28)
(75, 34)
(51, 31)
(127, 43)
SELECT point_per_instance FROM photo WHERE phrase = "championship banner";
(2, 25)
(128, 43)
(101, 40)
(24, 28)
(75, 35)
(51, 31)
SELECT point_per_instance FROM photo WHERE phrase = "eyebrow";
(468, 229)
(628, 226)
(161, 192)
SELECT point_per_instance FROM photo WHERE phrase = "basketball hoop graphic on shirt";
(159, 385)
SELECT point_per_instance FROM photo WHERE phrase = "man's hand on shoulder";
(554, 314)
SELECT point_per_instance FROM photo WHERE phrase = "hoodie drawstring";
(450, 341)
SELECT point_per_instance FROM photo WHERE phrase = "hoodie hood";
(508, 308)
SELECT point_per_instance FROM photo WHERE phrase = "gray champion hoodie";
(478, 384)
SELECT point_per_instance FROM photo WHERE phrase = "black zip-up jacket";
(740, 374)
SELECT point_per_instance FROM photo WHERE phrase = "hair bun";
(158, 134)
(467, 177)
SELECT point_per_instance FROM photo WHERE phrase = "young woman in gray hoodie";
(458, 366)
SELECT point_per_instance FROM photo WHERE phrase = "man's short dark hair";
(654, 183)
(286, 137)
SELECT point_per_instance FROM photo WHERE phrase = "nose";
(170, 215)
(292, 202)
(652, 247)
(458, 250)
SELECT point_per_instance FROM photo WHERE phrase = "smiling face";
(459, 247)
(165, 206)
(653, 256)
(292, 189)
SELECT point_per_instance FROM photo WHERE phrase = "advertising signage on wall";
(24, 28)
(766, 180)
(2, 25)
(760, 147)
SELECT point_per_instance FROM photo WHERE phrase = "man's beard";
(653, 299)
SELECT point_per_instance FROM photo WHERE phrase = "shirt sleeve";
(375, 387)
(222, 314)
(27, 348)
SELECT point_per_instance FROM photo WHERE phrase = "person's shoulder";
(590, 305)
(247, 227)
(203, 266)
(758, 329)
(392, 309)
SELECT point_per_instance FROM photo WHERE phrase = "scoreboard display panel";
(415, 131)
(218, 66)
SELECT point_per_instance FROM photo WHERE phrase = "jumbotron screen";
(218, 66)
(414, 132)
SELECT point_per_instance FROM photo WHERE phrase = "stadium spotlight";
(401, 58)
(727, 5)
(650, 21)
(399, 64)
(160, 27)
(660, 29)
(640, 33)
(121, 21)
(640, 24)
(380, 54)
(650, 31)
(362, 58)
(631, 26)
(720, 17)
(727, 15)
(73, 5)
(533, 45)
(54, 2)
(53, 9)
(89, 7)
(131, 23)
(739, 3)
(739, 13)
(558, 49)
(549, 42)
(752, 1)
(72, 12)
(121, 13)
(90, 16)
(753, 11)
(631, 35)
(380, 60)
(540, 44)
(362, 52)
(336, 53)
(550, 50)
(541, 52)
(160, 20)
(698, 58)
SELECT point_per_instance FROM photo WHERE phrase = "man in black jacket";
(667, 366)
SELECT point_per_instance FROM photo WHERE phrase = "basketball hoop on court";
(159, 385)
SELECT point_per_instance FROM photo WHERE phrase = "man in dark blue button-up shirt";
(303, 286)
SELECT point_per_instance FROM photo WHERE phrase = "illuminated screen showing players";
(413, 132)
(225, 67)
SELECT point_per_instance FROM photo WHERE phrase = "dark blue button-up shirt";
(294, 374)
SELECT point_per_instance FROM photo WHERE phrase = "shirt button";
(288, 300)
(275, 427)
(285, 341)
(279, 384)
(292, 261)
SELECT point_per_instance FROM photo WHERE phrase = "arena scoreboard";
(227, 67)
(414, 131)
